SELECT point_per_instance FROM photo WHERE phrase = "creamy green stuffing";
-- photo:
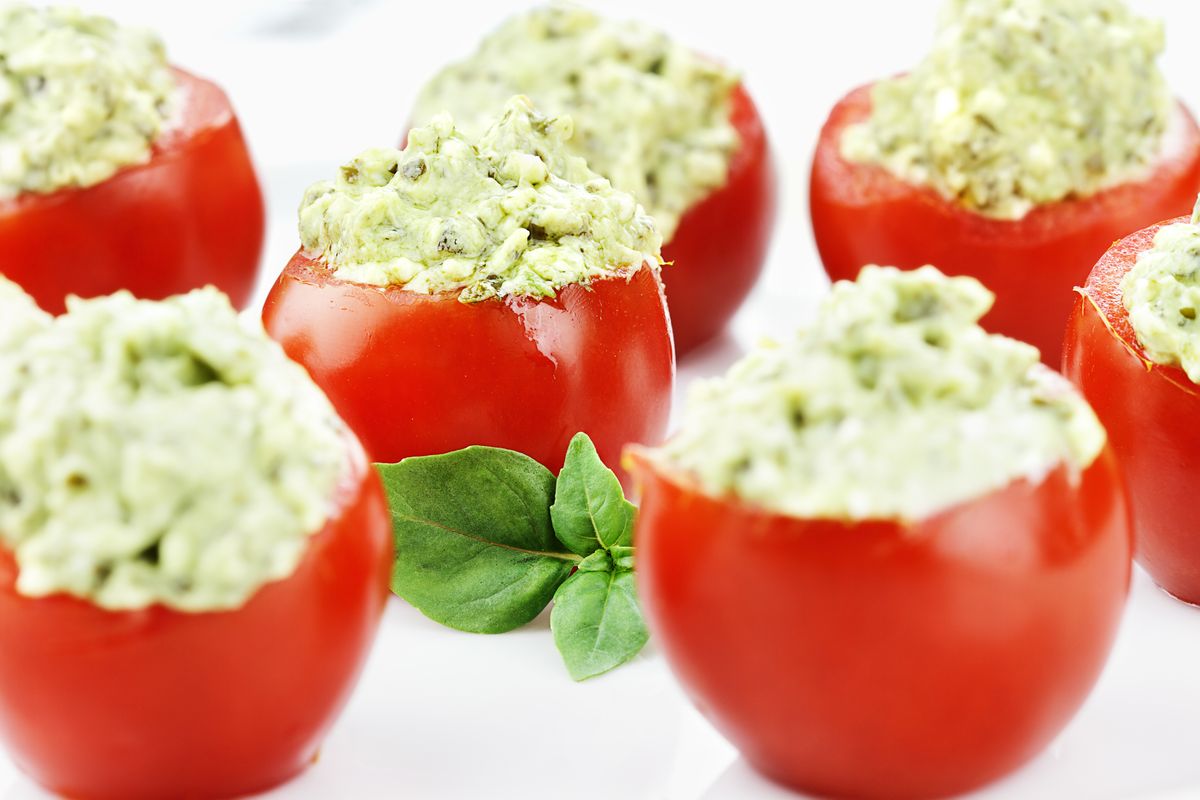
(508, 213)
(650, 114)
(1022, 103)
(1162, 295)
(80, 97)
(893, 404)
(157, 452)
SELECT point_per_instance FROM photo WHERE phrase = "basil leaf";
(590, 511)
(475, 548)
(597, 623)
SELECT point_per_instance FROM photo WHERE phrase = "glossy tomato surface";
(1152, 414)
(878, 660)
(418, 374)
(159, 703)
(721, 243)
(190, 216)
(862, 214)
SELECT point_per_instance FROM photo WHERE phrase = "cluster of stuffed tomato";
(897, 492)
(174, 489)
(897, 489)
(1017, 152)
(577, 203)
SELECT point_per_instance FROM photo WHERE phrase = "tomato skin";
(721, 243)
(159, 703)
(861, 214)
(1152, 414)
(191, 216)
(418, 374)
(871, 660)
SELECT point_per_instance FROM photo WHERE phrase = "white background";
(442, 714)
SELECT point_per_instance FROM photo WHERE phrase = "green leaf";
(590, 511)
(475, 548)
(597, 623)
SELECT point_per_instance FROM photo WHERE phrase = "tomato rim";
(639, 458)
(306, 267)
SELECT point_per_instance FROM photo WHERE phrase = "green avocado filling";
(80, 97)
(511, 212)
(157, 452)
(894, 404)
(650, 114)
(1022, 103)
(1162, 295)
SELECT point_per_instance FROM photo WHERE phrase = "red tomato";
(721, 243)
(862, 214)
(159, 703)
(190, 216)
(878, 660)
(417, 374)
(1152, 414)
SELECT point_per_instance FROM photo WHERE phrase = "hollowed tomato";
(886, 660)
(190, 216)
(862, 214)
(155, 703)
(1152, 413)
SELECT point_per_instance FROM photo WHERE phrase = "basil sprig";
(486, 538)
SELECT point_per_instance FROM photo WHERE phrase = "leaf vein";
(467, 535)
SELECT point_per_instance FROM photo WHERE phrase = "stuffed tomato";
(1017, 171)
(119, 172)
(897, 541)
(676, 130)
(720, 245)
(1132, 348)
(488, 291)
(194, 551)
